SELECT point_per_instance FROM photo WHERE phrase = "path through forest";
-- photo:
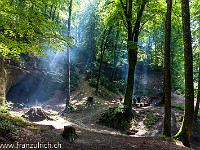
(95, 136)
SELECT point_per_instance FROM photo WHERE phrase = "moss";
(16, 120)
(150, 120)
(116, 118)
(179, 106)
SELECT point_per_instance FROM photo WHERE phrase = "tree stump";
(69, 133)
(90, 101)
(36, 114)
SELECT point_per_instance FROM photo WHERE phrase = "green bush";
(74, 81)
(196, 125)
(93, 82)
(6, 107)
(104, 81)
(179, 106)
(116, 118)
(150, 120)
(7, 128)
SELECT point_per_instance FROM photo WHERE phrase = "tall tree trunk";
(103, 48)
(68, 59)
(50, 12)
(132, 52)
(186, 128)
(116, 47)
(198, 99)
(57, 18)
(167, 118)
(53, 17)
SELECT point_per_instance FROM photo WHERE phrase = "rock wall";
(9, 76)
(3, 79)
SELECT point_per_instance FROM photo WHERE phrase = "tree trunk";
(50, 12)
(57, 19)
(53, 17)
(115, 59)
(132, 53)
(69, 133)
(198, 99)
(103, 48)
(186, 128)
(167, 118)
(68, 59)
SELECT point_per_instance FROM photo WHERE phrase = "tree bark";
(167, 118)
(132, 51)
(68, 59)
(198, 99)
(186, 128)
(53, 17)
(50, 12)
(103, 48)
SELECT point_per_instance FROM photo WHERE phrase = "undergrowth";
(113, 86)
(179, 106)
(150, 120)
(116, 118)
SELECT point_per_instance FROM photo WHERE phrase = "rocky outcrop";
(10, 74)
(3, 79)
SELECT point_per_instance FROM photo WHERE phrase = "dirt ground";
(94, 136)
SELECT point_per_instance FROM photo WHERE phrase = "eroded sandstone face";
(9, 75)
(3, 78)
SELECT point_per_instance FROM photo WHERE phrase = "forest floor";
(95, 136)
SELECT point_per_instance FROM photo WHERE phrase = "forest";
(100, 74)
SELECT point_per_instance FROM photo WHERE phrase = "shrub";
(93, 82)
(6, 107)
(179, 106)
(74, 81)
(7, 128)
(150, 120)
(116, 118)
(196, 125)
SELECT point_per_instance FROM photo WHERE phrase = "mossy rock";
(115, 119)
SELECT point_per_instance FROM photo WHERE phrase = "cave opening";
(32, 88)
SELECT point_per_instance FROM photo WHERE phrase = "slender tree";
(167, 118)
(68, 59)
(186, 128)
(104, 46)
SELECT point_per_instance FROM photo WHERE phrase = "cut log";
(36, 114)
(69, 133)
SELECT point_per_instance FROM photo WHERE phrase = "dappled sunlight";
(58, 122)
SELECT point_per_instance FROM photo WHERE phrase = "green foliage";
(7, 128)
(110, 85)
(74, 80)
(26, 28)
(116, 118)
(179, 106)
(196, 125)
(71, 108)
(150, 120)
(6, 107)
(121, 108)
(93, 82)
